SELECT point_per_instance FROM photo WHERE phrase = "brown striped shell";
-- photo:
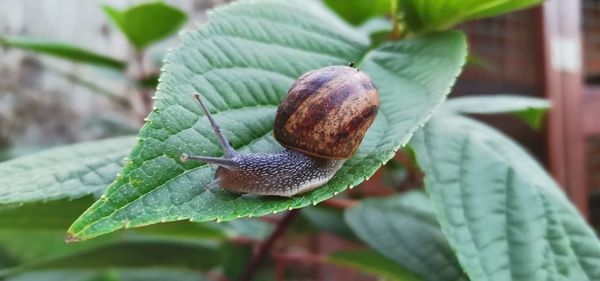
(327, 112)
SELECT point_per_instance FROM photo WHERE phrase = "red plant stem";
(340, 203)
(265, 248)
(300, 258)
(242, 240)
(279, 268)
(269, 219)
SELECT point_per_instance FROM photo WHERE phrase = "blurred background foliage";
(95, 78)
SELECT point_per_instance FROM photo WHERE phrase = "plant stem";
(397, 26)
(302, 258)
(265, 248)
(339, 203)
(96, 89)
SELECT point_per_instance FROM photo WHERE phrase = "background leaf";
(501, 212)
(405, 229)
(372, 262)
(41, 194)
(54, 214)
(235, 259)
(428, 15)
(329, 220)
(147, 22)
(530, 110)
(62, 50)
(66, 275)
(378, 30)
(175, 245)
(358, 11)
(27, 246)
(145, 274)
(70, 171)
(131, 255)
(243, 73)
(250, 228)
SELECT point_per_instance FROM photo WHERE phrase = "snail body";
(321, 123)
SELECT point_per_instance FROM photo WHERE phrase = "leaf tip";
(71, 238)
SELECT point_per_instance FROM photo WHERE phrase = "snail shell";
(327, 112)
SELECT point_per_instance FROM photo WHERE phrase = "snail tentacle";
(220, 161)
(223, 141)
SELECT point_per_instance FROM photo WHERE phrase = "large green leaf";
(147, 22)
(27, 246)
(61, 50)
(405, 229)
(329, 220)
(69, 172)
(434, 15)
(53, 214)
(378, 30)
(530, 110)
(130, 254)
(357, 11)
(48, 190)
(149, 274)
(235, 259)
(31, 247)
(243, 63)
(58, 275)
(501, 212)
(370, 261)
(146, 274)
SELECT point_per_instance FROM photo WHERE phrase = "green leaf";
(6, 260)
(250, 228)
(394, 173)
(482, 63)
(40, 249)
(128, 252)
(378, 30)
(35, 245)
(55, 214)
(147, 22)
(47, 244)
(372, 262)
(235, 259)
(329, 220)
(405, 229)
(57, 275)
(145, 274)
(61, 50)
(501, 212)
(243, 75)
(149, 274)
(436, 15)
(69, 172)
(530, 110)
(186, 231)
(358, 11)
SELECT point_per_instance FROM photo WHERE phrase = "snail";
(320, 123)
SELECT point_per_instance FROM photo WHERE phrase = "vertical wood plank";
(560, 46)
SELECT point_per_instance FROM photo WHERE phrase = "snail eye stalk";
(223, 141)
